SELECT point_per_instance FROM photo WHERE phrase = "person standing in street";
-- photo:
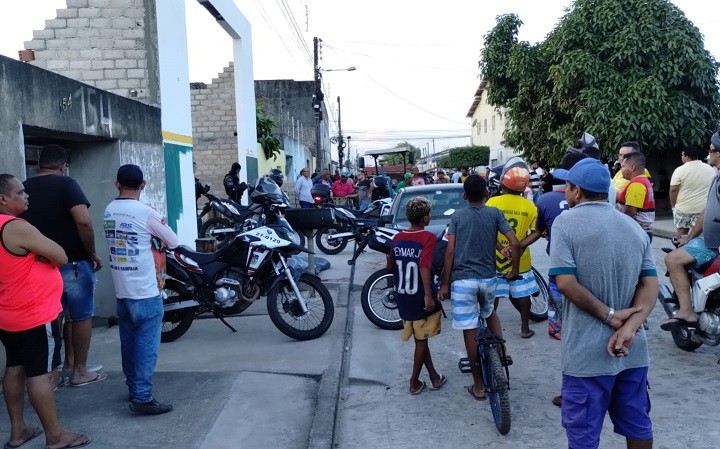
(130, 226)
(470, 270)
(637, 201)
(29, 329)
(303, 185)
(364, 190)
(536, 174)
(604, 345)
(234, 189)
(689, 186)
(324, 178)
(59, 210)
(410, 261)
(441, 178)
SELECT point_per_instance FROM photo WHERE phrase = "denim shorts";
(78, 299)
(586, 400)
(700, 252)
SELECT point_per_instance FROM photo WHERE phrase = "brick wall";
(104, 43)
(214, 128)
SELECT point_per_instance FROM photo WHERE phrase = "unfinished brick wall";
(214, 128)
(104, 43)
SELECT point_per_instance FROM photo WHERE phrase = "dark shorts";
(78, 299)
(37, 349)
(586, 400)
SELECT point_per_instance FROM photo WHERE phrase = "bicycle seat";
(200, 258)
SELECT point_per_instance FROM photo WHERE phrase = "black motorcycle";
(230, 217)
(252, 264)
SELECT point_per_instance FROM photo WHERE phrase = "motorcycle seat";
(200, 258)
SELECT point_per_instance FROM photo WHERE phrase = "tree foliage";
(619, 69)
(265, 126)
(397, 158)
(469, 156)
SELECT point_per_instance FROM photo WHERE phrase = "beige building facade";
(488, 127)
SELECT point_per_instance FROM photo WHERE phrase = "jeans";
(140, 326)
(78, 299)
(306, 205)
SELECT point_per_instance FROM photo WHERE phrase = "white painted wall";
(175, 104)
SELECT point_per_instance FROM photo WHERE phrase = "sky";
(417, 61)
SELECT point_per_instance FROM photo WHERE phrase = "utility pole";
(318, 98)
(341, 141)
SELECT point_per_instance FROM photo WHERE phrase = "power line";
(294, 29)
(263, 13)
(401, 97)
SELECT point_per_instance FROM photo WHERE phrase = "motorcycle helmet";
(266, 191)
(515, 175)
(277, 176)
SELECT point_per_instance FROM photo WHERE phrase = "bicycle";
(495, 374)
(539, 301)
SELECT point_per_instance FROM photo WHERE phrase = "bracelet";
(609, 316)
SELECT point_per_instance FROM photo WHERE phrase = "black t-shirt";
(51, 198)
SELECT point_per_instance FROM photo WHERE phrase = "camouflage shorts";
(683, 220)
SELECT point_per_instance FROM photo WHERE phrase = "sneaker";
(150, 408)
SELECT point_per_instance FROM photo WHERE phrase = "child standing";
(410, 260)
(470, 265)
(521, 214)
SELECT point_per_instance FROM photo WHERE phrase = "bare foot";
(68, 440)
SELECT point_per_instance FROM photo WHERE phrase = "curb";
(663, 233)
(322, 430)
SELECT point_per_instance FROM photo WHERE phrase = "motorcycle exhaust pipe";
(180, 305)
(221, 231)
(666, 299)
(340, 235)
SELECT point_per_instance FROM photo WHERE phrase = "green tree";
(397, 158)
(619, 69)
(468, 156)
(265, 126)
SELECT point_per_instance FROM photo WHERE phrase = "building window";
(478, 128)
(485, 125)
(493, 123)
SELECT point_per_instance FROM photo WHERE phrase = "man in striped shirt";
(535, 180)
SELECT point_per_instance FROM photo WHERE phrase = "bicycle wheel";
(497, 387)
(539, 300)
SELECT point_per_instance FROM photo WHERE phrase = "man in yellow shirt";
(521, 214)
(689, 187)
(618, 181)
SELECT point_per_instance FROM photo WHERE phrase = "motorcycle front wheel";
(378, 301)
(331, 247)
(175, 322)
(286, 313)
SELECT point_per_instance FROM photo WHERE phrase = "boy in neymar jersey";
(410, 260)
(521, 214)
(470, 266)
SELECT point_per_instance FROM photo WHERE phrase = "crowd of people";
(48, 262)
(598, 311)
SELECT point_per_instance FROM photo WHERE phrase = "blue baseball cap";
(589, 174)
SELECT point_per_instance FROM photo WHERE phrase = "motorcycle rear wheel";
(321, 241)
(217, 223)
(176, 322)
(378, 302)
(287, 316)
(681, 337)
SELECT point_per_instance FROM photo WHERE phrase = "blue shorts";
(517, 289)
(78, 299)
(700, 252)
(466, 305)
(586, 400)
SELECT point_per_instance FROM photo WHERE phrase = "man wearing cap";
(698, 248)
(130, 229)
(342, 188)
(604, 346)
(234, 189)
(59, 209)
(404, 183)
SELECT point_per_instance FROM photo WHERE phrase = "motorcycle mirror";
(386, 219)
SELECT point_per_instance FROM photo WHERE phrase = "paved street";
(259, 389)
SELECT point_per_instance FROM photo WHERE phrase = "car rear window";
(441, 200)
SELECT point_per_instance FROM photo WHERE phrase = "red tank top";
(29, 290)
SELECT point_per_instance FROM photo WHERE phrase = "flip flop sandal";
(443, 379)
(74, 443)
(528, 335)
(419, 390)
(34, 433)
(100, 377)
(471, 390)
